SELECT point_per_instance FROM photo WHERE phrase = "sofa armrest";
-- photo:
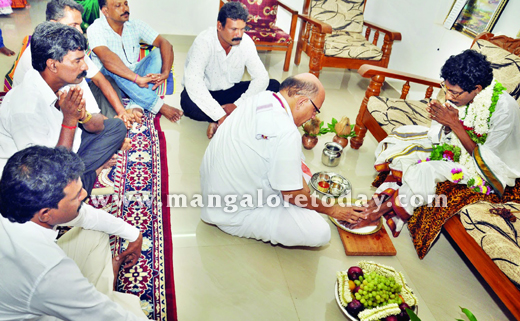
(320, 26)
(369, 71)
(392, 35)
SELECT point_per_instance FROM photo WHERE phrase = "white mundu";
(259, 147)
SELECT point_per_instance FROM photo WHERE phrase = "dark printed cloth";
(426, 222)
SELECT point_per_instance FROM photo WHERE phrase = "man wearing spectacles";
(256, 153)
(479, 119)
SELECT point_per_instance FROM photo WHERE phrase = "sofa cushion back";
(342, 15)
(506, 66)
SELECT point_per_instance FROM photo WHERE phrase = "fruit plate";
(345, 312)
(405, 293)
(360, 231)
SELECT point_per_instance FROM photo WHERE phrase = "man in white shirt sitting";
(114, 40)
(43, 111)
(71, 279)
(215, 66)
(102, 92)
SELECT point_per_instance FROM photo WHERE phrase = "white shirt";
(38, 279)
(240, 160)
(126, 46)
(208, 68)
(25, 64)
(28, 117)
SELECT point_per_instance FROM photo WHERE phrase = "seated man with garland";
(474, 139)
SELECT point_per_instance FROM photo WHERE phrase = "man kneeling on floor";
(41, 112)
(73, 278)
(258, 149)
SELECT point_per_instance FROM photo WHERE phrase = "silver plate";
(346, 186)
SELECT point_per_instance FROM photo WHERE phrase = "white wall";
(426, 44)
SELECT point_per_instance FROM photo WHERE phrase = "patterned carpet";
(138, 186)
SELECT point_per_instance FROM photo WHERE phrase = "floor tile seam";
(287, 284)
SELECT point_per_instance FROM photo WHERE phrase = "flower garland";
(475, 118)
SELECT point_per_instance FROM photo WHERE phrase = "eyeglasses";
(455, 95)
(316, 108)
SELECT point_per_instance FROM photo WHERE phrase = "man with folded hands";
(257, 152)
(101, 93)
(71, 278)
(40, 111)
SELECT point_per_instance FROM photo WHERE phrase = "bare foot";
(110, 163)
(6, 51)
(116, 265)
(212, 129)
(374, 213)
(127, 144)
(171, 113)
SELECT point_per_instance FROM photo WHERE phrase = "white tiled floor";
(220, 277)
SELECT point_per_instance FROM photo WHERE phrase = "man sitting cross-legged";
(73, 278)
(215, 67)
(114, 40)
(102, 92)
(40, 112)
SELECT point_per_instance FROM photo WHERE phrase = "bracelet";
(69, 127)
(86, 119)
(135, 77)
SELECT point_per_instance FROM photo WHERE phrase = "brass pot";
(308, 141)
(340, 140)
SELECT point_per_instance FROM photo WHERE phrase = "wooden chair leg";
(288, 54)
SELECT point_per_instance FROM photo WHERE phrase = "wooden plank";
(377, 244)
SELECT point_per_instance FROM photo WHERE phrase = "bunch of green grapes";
(374, 290)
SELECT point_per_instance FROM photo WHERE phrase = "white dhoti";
(91, 252)
(289, 226)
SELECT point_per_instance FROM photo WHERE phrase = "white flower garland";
(476, 115)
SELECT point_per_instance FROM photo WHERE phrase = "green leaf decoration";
(331, 125)
(412, 315)
(438, 151)
(468, 313)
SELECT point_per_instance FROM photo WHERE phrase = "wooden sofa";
(380, 115)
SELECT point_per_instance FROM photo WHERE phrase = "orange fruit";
(351, 285)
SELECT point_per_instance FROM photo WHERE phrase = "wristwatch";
(86, 119)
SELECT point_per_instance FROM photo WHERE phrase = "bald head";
(302, 84)
(303, 92)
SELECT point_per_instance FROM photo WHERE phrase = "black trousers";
(104, 105)
(223, 97)
(96, 149)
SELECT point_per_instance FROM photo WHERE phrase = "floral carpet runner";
(140, 183)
